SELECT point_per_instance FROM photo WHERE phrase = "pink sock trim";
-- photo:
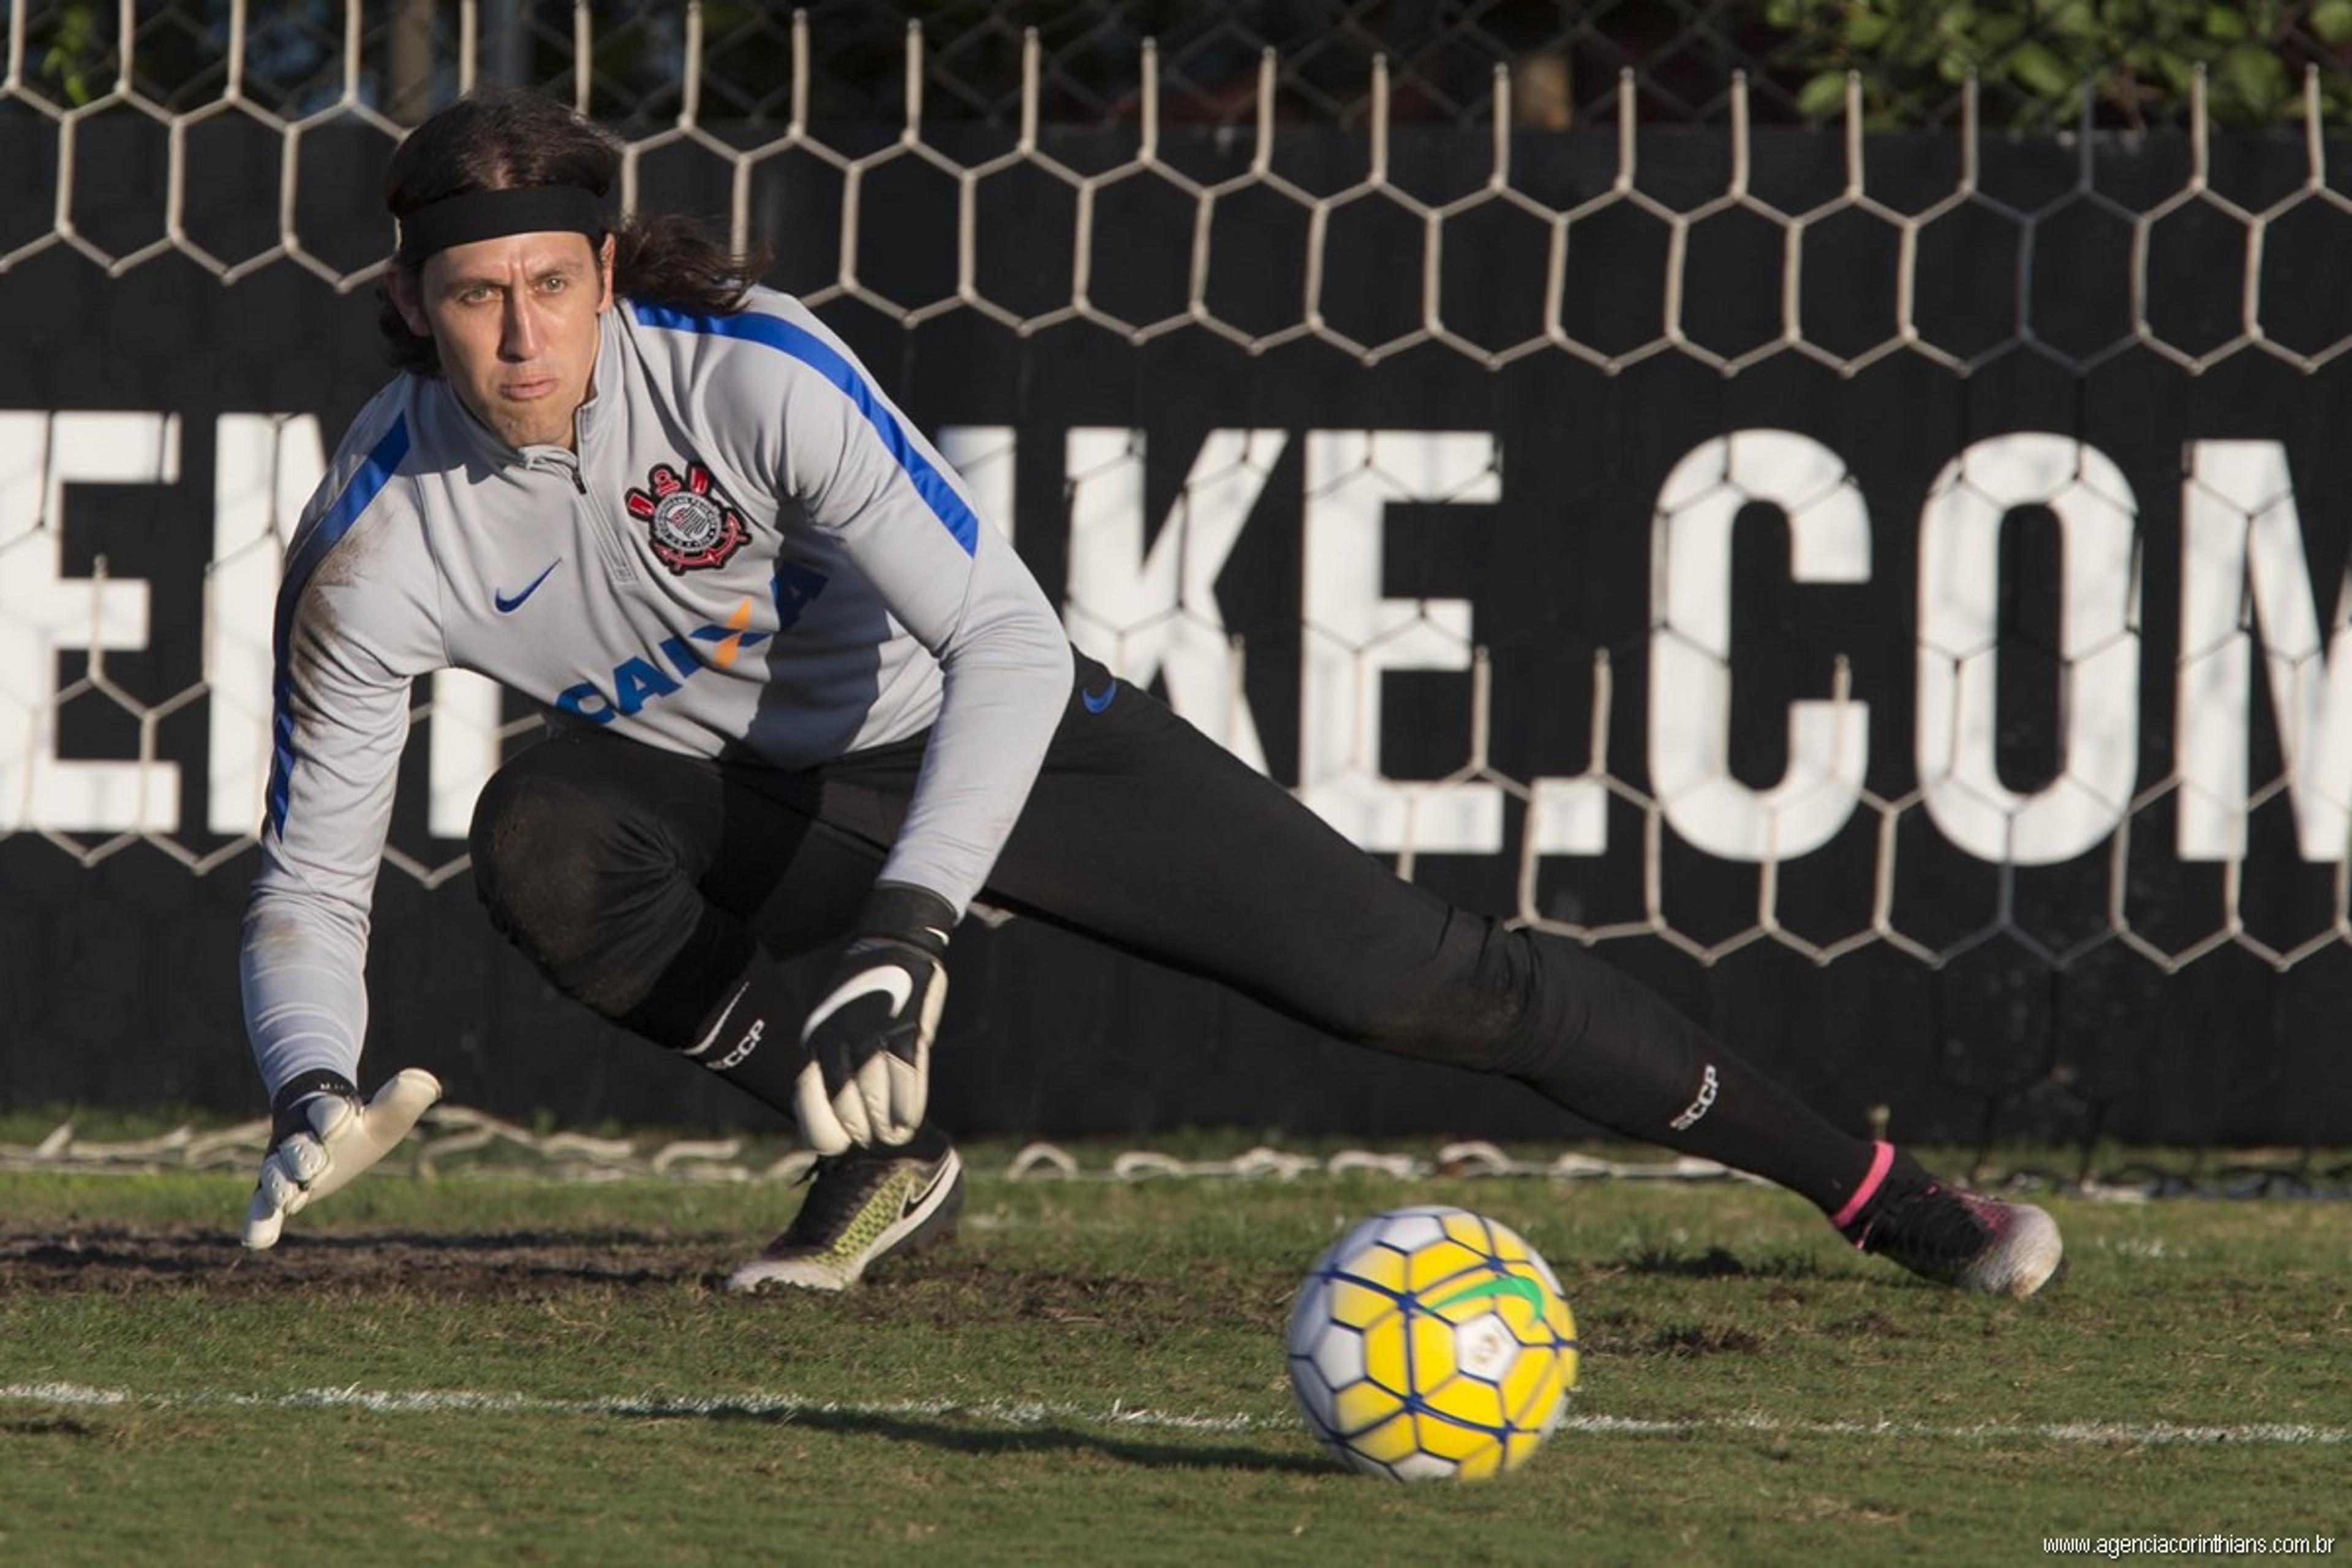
(1882, 1157)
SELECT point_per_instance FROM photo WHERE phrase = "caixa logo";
(643, 678)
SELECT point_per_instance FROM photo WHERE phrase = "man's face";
(515, 320)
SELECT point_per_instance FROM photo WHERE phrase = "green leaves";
(2257, 77)
(1823, 96)
(2033, 59)
(2041, 68)
(74, 52)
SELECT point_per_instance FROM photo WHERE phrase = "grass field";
(494, 1367)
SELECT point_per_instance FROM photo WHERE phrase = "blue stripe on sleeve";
(358, 492)
(829, 362)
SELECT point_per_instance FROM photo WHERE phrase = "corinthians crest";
(693, 524)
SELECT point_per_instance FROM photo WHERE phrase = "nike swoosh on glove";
(325, 1136)
(866, 1047)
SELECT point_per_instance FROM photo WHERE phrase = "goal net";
(1910, 554)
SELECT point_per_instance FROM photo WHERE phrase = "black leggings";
(639, 881)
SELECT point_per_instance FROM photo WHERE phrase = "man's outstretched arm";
(347, 647)
(870, 482)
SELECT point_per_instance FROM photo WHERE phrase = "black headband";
(491, 214)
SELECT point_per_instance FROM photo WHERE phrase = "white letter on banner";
(1690, 646)
(981, 457)
(42, 611)
(1145, 614)
(1353, 635)
(1959, 605)
(463, 749)
(2239, 529)
(265, 467)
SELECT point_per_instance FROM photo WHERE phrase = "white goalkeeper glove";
(324, 1135)
(867, 1047)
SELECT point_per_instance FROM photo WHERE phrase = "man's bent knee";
(590, 887)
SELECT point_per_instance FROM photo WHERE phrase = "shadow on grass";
(49, 1426)
(486, 1240)
(122, 1259)
(1038, 1439)
(1717, 1263)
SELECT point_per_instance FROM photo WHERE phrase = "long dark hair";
(504, 138)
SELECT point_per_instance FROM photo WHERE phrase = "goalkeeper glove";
(867, 1047)
(323, 1136)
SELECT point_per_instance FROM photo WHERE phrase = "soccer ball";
(1432, 1343)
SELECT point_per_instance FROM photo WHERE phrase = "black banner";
(1948, 578)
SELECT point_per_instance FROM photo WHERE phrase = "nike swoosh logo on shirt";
(1097, 702)
(507, 607)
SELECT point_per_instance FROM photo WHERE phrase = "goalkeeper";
(804, 699)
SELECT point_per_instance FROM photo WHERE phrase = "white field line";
(1030, 1412)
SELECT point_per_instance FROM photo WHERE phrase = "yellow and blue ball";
(1432, 1343)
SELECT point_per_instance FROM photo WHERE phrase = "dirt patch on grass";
(947, 1285)
(951, 1286)
(131, 1258)
(1688, 1340)
(1717, 1263)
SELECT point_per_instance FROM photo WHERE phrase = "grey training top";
(752, 554)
